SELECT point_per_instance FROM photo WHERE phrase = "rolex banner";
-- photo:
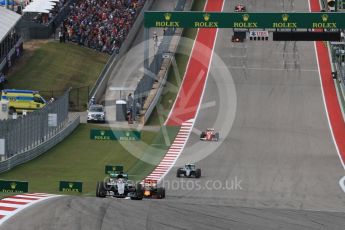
(71, 186)
(11, 186)
(98, 134)
(113, 168)
(281, 20)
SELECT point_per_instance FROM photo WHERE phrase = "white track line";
(324, 102)
(342, 180)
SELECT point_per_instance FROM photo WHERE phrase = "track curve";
(280, 145)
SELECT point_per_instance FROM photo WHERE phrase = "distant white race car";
(189, 170)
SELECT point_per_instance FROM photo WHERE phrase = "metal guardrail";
(146, 82)
(180, 7)
(39, 149)
(161, 86)
(156, 97)
(337, 50)
(338, 60)
(28, 132)
(340, 4)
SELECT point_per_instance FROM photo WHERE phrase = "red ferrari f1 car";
(209, 135)
(240, 8)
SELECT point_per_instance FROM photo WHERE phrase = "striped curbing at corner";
(11, 205)
(173, 152)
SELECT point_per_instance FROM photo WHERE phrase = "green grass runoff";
(80, 159)
(169, 96)
(58, 66)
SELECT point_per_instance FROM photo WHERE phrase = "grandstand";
(11, 45)
(102, 25)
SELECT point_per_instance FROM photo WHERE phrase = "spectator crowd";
(100, 24)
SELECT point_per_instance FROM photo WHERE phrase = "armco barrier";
(100, 86)
(40, 149)
(146, 83)
(158, 94)
(162, 83)
(156, 98)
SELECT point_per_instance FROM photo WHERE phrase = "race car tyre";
(163, 193)
(178, 174)
(198, 173)
(97, 190)
(139, 192)
(101, 191)
(216, 135)
(160, 193)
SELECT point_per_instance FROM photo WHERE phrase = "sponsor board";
(12, 186)
(71, 186)
(321, 20)
(98, 134)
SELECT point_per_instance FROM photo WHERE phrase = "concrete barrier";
(165, 72)
(154, 101)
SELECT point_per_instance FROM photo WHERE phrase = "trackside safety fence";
(34, 152)
(337, 49)
(146, 82)
(338, 60)
(28, 132)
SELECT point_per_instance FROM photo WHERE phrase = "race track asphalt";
(278, 162)
(280, 145)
